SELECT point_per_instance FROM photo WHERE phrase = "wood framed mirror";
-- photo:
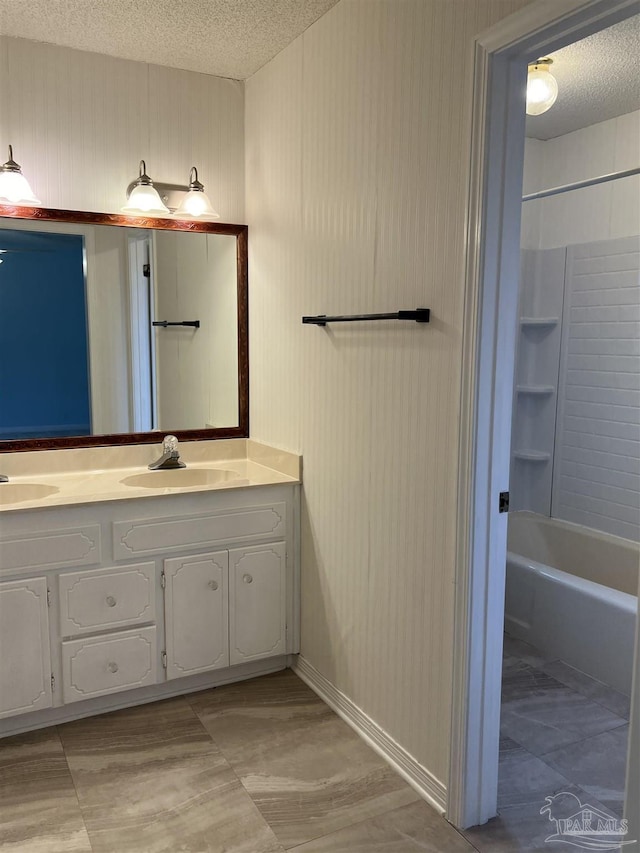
(119, 330)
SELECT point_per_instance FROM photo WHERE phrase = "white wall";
(81, 122)
(357, 141)
(602, 212)
(223, 346)
(108, 322)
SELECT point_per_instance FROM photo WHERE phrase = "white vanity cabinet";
(25, 668)
(114, 603)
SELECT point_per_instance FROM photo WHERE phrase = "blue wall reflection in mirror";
(44, 371)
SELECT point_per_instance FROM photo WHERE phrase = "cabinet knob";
(112, 667)
(111, 602)
(247, 578)
(213, 585)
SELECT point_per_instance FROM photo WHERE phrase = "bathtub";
(573, 593)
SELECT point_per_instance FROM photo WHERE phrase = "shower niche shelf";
(531, 455)
(539, 322)
(535, 390)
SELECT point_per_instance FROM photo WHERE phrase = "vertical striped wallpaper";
(81, 122)
(357, 148)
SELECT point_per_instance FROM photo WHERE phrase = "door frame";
(492, 246)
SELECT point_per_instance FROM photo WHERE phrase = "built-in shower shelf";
(536, 390)
(540, 322)
(531, 455)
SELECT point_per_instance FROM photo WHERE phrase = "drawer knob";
(213, 585)
(112, 667)
(247, 578)
(111, 602)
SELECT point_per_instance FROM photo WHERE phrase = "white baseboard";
(421, 779)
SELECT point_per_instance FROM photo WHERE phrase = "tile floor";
(256, 767)
(560, 731)
(265, 766)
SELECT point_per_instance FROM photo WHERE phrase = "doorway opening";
(495, 329)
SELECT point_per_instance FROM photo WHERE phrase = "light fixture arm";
(547, 62)
(194, 183)
(171, 193)
(11, 165)
(143, 180)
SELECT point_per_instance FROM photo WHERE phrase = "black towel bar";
(165, 323)
(420, 315)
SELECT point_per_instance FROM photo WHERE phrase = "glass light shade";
(144, 199)
(196, 203)
(542, 90)
(15, 189)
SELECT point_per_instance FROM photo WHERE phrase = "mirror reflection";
(82, 348)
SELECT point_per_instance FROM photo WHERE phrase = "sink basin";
(179, 478)
(11, 493)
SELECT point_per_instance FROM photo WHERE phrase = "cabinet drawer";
(108, 598)
(140, 537)
(49, 549)
(94, 666)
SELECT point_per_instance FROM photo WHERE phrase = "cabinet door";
(257, 602)
(196, 613)
(25, 663)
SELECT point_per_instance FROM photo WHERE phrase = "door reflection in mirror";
(44, 371)
(196, 368)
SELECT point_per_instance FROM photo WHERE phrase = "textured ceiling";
(228, 38)
(598, 79)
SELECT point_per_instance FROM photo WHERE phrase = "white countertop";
(87, 475)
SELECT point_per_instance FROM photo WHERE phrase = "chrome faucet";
(170, 455)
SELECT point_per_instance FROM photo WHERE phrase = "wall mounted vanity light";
(196, 202)
(14, 187)
(154, 198)
(143, 198)
(542, 87)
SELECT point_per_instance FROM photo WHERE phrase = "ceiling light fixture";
(542, 87)
(14, 187)
(196, 202)
(143, 199)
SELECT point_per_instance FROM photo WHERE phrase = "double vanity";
(118, 584)
(121, 585)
